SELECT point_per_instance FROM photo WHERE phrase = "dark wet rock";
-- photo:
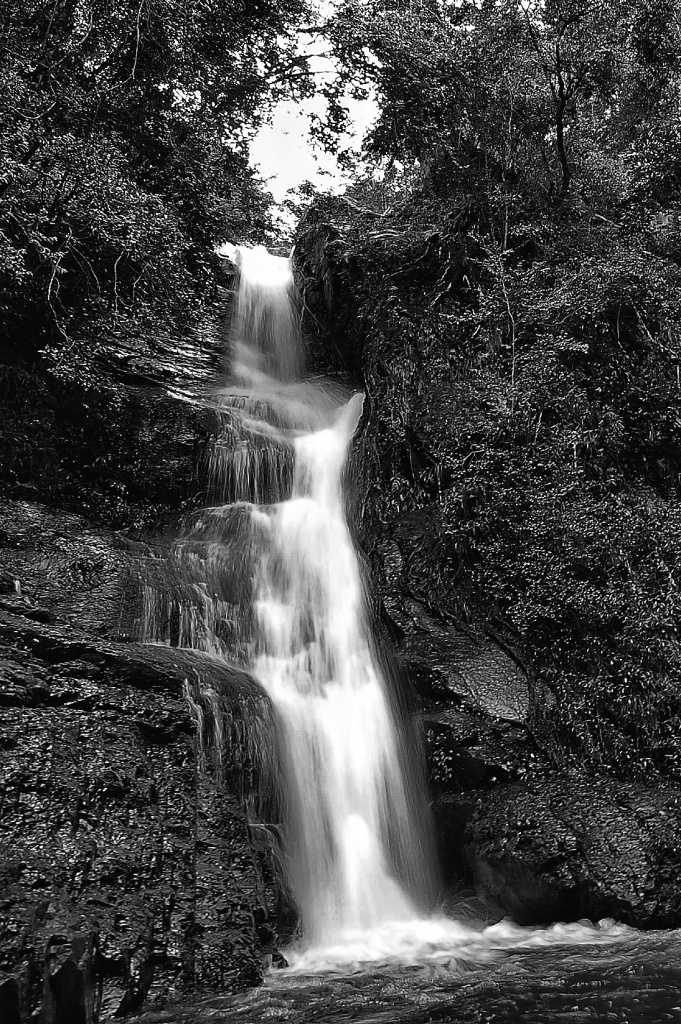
(69, 992)
(130, 870)
(447, 661)
(13, 1002)
(118, 438)
(450, 662)
(63, 569)
(468, 749)
(563, 847)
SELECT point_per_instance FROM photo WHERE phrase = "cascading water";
(340, 743)
(351, 829)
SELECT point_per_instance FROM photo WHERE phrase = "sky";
(282, 151)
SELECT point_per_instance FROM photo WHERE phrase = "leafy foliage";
(123, 155)
(124, 133)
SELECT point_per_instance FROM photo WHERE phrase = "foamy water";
(443, 941)
(350, 830)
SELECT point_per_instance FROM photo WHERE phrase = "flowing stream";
(634, 980)
(283, 590)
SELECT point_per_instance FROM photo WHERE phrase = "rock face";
(564, 847)
(129, 869)
(545, 808)
(120, 437)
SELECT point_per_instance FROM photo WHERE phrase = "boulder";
(565, 847)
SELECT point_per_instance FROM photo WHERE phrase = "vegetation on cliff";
(510, 298)
(124, 133)
(509, 293)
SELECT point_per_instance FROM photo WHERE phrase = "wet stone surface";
(128, 867)
(561, 847)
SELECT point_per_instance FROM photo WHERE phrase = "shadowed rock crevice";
(565, 847)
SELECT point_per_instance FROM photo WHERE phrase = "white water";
(349, 826)
(340, 743)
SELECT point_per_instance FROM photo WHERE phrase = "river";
(635, 978)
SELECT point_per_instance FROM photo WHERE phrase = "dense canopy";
(124, 134)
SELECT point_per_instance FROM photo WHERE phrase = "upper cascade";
(266, 341)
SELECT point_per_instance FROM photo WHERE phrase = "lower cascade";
(270, 578)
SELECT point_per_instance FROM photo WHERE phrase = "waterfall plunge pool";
(632, 978)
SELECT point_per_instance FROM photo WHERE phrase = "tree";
(513, 94)
(123, 155)
(514, 316)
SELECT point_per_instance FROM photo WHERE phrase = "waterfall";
(268, 578)
(353, 844)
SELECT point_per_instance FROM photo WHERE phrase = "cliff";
(132, 866)
(516, 494)
(517, 507)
